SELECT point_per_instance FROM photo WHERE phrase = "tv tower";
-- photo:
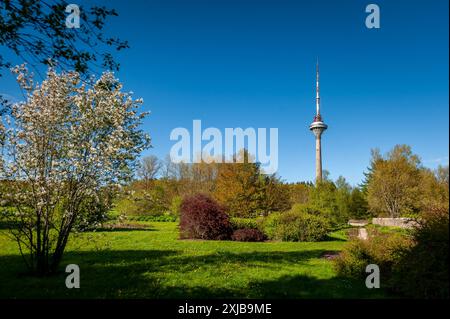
(318, 127)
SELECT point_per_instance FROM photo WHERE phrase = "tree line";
(395, 185)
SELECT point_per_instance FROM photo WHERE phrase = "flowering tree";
(60, 147)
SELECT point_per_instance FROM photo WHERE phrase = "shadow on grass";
(146, 274)
(6, 225)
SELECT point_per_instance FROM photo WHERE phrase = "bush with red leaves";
(248, 234)
(201, 217)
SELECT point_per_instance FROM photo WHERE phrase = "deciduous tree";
(62, 145)
(393, 182)
(149, 168)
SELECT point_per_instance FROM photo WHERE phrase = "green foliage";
(175, 206)
(353, 260)
(241, 223)
(296, 225)
(274, 195)
(434, 188)
(397, 185)
(330, 202)
(52, 39)
(377, 229)
(381, 249)
(323, 199)
(393, 182)
(358, 207)
(269, 225)
(342, 197)
(94, 210)
(422, 271)
(144, 202)
(337, 201)
(302, 226)
(412, 264)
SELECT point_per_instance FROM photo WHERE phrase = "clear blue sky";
(252, 64)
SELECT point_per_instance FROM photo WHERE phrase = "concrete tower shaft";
(318, 127)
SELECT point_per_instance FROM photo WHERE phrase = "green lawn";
(154, 263)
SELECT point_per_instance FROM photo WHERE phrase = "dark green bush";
(422, 271)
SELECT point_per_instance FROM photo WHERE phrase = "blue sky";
(245, 64)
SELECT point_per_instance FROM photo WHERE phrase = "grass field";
(154, 263)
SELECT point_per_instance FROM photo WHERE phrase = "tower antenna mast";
(317, 90)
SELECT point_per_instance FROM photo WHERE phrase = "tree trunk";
(58, 253)
(61, 245)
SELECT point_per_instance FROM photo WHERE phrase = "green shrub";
(381, 249)
(175, 205)
(295, 226)
(413, 265)
(269, 225)
(152, 202)
(352, 261)
(241, 223)
(301, 226)
(422, 271)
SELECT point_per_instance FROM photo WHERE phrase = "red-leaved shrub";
(201, 217)
(248, 234)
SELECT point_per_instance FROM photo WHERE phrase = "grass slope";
(154, 263)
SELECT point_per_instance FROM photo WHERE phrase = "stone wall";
(358, 222)
(402, 222)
